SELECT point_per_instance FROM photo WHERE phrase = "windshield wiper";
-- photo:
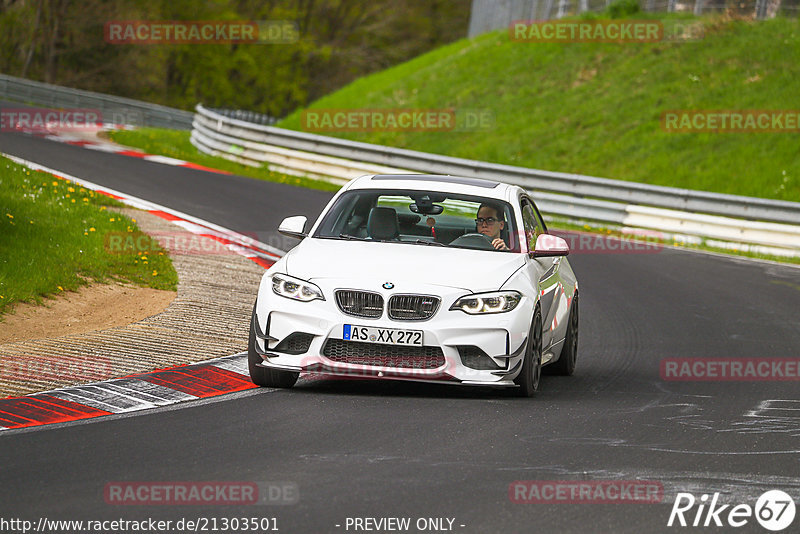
(423, 242)
(352, 237)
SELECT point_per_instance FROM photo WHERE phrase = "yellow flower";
(111, 219)
(102, 208)
(67, 195)
(85, 233)
(73, 200)
(9, 216)
(134, 220)
(30, 222)
(55, 183)
(155, 273)
(86, 199)
(2, 297)
(92, 229)
(60, 288)
(71, 189)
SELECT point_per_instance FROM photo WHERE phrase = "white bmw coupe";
(416, 277)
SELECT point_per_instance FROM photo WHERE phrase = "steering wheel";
(474, 240)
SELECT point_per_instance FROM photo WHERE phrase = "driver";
(489, 222)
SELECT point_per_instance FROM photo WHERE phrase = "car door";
(547, 272)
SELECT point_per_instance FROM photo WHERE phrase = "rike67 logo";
(774, 510)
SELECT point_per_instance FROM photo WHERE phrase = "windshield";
(421, 218)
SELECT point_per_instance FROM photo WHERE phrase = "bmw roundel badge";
(388, 285)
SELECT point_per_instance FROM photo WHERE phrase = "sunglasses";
(487, 220)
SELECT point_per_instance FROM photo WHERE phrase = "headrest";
(382, 223)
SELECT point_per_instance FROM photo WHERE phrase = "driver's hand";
(499, 244)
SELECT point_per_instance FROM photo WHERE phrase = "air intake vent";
(296, 343)
(413, 307)
(360, 303)
(380, 355)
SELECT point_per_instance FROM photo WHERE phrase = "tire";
(531, 374)
(565, 365)
(262, 376)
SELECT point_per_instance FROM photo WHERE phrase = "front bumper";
(500, 337)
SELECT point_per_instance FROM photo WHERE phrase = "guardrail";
(736, 218)
(115, 110)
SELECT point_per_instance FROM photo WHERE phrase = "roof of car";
(477, 182)
(458, 184)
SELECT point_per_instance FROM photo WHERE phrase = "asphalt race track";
(378, 449)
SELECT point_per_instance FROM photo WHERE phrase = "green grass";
(53, 236)
(176, 144)
(595, 108)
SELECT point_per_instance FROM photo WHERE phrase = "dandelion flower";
(92, 229)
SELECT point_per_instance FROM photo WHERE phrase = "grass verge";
(176, 144)
(52, 238)
(596, 108)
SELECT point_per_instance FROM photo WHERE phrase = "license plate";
(388, 336)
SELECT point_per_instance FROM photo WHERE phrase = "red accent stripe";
(80, 143)
(132, 153)
(165, 215)
(262, 262)
(43, 410)
(106, 193)
(203, 168)
(201, 382)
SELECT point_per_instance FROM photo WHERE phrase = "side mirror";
(548, 246)
(294, 226)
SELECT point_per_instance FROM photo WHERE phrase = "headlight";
(496, 302)
(294, 288)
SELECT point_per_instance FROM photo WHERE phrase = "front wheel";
(569, 354)
(262, 376)
(531, 373)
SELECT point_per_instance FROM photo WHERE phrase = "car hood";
(473, 270)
